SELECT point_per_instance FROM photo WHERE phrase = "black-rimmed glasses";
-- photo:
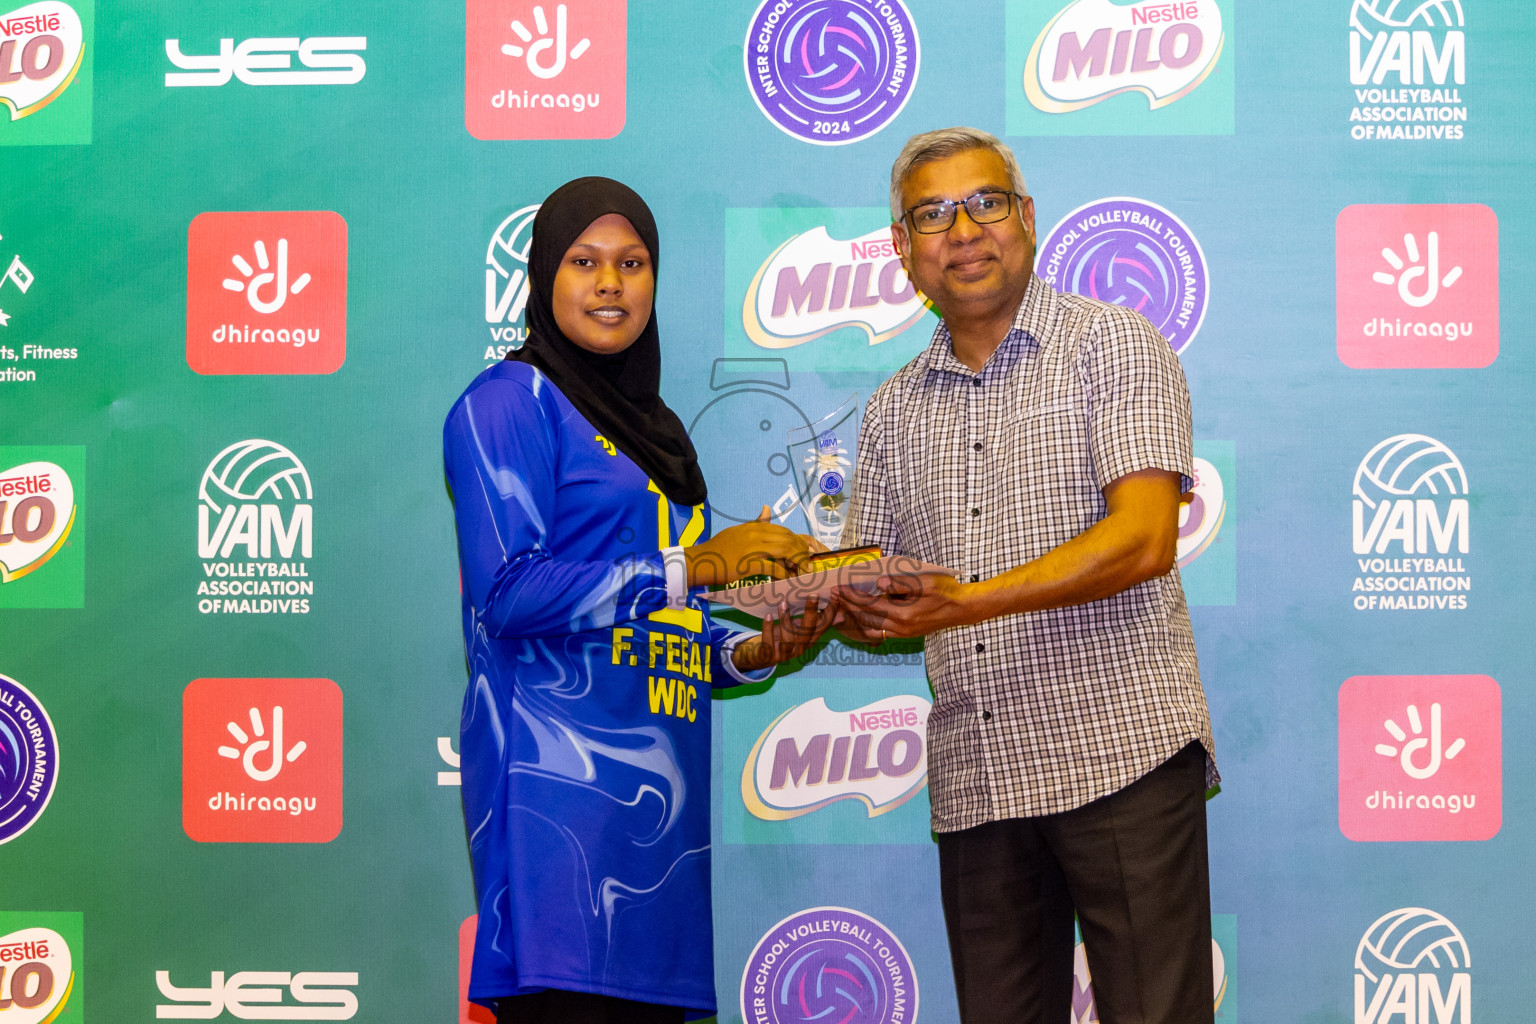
(985, 207)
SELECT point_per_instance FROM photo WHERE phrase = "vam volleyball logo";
(41, 958)
(1417, 286)
(267, 292)
(45, 71)
(29, 759)
(1132, 253)
(255, 531)
(829, 963)
(1413, 965)
(1407, 64)
(831, 72)
(545, 70)
(261, 760)
(506, 282)
(1411, 520)
(1420, 758)
(812, 756)
(1119, 67)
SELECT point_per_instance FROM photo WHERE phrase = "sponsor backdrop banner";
(249, 255)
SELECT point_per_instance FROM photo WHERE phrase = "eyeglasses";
(986, 207)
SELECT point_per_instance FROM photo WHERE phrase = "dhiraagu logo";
(823, 288)
(1119, 67)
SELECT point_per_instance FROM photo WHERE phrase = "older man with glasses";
(1039, 446)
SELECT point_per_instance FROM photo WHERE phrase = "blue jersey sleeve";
(723, 640)
(500, 452)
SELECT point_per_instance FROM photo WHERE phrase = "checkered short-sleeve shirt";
(1041, 712)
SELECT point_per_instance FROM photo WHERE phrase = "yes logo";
(1417, 286)
(259, 995)
(545, 71)
(44, 51)
(1420, 758)
(262, 760)
(331, 60)
(267, 292)
(41, 560)
(40, 958)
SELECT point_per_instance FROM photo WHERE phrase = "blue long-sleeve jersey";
(585, 732)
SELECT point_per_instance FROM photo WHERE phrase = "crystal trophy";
(824, 455)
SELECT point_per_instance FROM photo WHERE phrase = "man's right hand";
(758, 548)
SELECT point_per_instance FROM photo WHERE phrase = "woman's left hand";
(785, 636)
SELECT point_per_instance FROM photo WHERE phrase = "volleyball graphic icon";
(1408, 464)
(252, 471)
(1411, 939)
(1384, 14)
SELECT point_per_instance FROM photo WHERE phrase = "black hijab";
(618, 393)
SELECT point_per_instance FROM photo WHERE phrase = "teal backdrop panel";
(1328, 209)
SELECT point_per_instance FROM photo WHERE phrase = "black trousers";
(1133, 867)
(554, 1006)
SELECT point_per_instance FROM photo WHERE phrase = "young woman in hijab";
(583, 533)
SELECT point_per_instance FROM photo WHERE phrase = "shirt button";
(980, 648)
(986, 716)
(975, 382)
(977, 446)
(975, 512)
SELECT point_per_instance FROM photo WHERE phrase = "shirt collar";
(1031, 326)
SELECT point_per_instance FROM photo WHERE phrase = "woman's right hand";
(760, 547)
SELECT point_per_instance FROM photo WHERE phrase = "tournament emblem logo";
(1411, 520)
(1412, 964)
(262, 760)
(506, 282)
(812, 756)
(40, 958)
(831, 72)
(1417, 286)
(43, 52)
(829, 963)
(267, 292)
(1420, 758)
(1407, 64)
(29, 759)
(1132, 253)
(545, 71)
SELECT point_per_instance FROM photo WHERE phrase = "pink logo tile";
(1418, 286)
(542, 70)
(1420, 758)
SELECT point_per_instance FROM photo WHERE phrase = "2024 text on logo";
(262, 760)
(536, 69)
(267, 292)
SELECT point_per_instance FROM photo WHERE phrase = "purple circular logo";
(29, 759)
(1132, 253)
(831, 71)
(829, 964)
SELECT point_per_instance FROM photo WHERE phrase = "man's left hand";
(905, 606)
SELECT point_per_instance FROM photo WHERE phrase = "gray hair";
(945, 142)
